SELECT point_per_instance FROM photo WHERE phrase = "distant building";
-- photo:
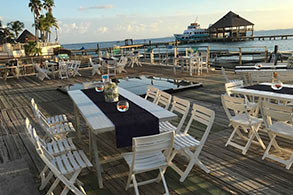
(25, 37)
(3, 40)
(231, 26)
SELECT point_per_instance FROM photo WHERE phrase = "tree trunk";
(36, 30)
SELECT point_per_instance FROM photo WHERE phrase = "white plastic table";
(99, 123)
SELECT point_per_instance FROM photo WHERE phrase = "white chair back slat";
(153, 144)
(232, 85)
(164, 99)
(277, 112)
(152, 93)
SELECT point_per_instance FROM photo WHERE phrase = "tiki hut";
(231, 26)
(25, 37)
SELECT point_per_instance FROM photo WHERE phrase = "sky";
(110, 20)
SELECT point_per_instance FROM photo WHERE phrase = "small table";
(98, 122)
(134, 59)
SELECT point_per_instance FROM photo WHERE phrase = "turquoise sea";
(284, 45)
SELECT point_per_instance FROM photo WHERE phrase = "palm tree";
(36, 7)
(48, 4)
(52, 22)
(43, 25)
(16, 26)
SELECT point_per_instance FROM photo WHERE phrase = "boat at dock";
(193, 32)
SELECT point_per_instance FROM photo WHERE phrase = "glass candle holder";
(122, 106)
(99, 87)
(277, 85)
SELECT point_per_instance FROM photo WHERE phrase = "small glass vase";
(122, 106)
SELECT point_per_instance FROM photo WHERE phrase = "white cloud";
(96, 7)
(103, 29)
(79, 28)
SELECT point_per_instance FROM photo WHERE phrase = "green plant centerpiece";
(111, 92)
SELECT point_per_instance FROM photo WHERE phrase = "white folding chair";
(164, 99)
(41, 73)
(73, 69)
(120, 67)
(52, 120)
(179, 107)
(237, 84)
(225, 76)
(63, 70)
(151, 93)
(278, 121)
(204, 61)
(149, 153)
(242, 122)
(184, 143)
(54, 147)
(96, 67)
(53, 131)
(65, 168)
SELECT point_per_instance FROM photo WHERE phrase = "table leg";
(90, 144)
(97, 161)
(77, 122)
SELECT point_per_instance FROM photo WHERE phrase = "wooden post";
(186, 52)
(240, 56)
(160, 60)
(152, 57)
(167, 57)
(175, 54)
(144, 54)
(266, 54)
(208, 57)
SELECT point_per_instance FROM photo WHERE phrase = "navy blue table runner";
(135, 122)
(268, 88)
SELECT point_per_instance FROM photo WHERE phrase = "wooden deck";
(231, 172)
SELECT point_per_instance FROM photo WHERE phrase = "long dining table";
(98, 122)
(265, 91)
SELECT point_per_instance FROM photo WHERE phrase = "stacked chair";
(63, 162)
(184, 142)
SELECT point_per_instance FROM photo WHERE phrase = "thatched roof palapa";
(231, 20)
(25, 37)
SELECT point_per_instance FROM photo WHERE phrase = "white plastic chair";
(164, 99)
(54, 147)
(96, 67)
(189, 146)
(278, 121)
(41, 73)
(149, 153)
(179, 107)
(151, 93)
(52, 120)
(65, 168)
(242, 122)
(63, 70)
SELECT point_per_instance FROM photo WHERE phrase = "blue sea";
(284, 45)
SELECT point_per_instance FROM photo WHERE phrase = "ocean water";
(284, 45)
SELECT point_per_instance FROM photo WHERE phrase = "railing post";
(240, 56)
(167, 57)
(152, 57)
(266, 54)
